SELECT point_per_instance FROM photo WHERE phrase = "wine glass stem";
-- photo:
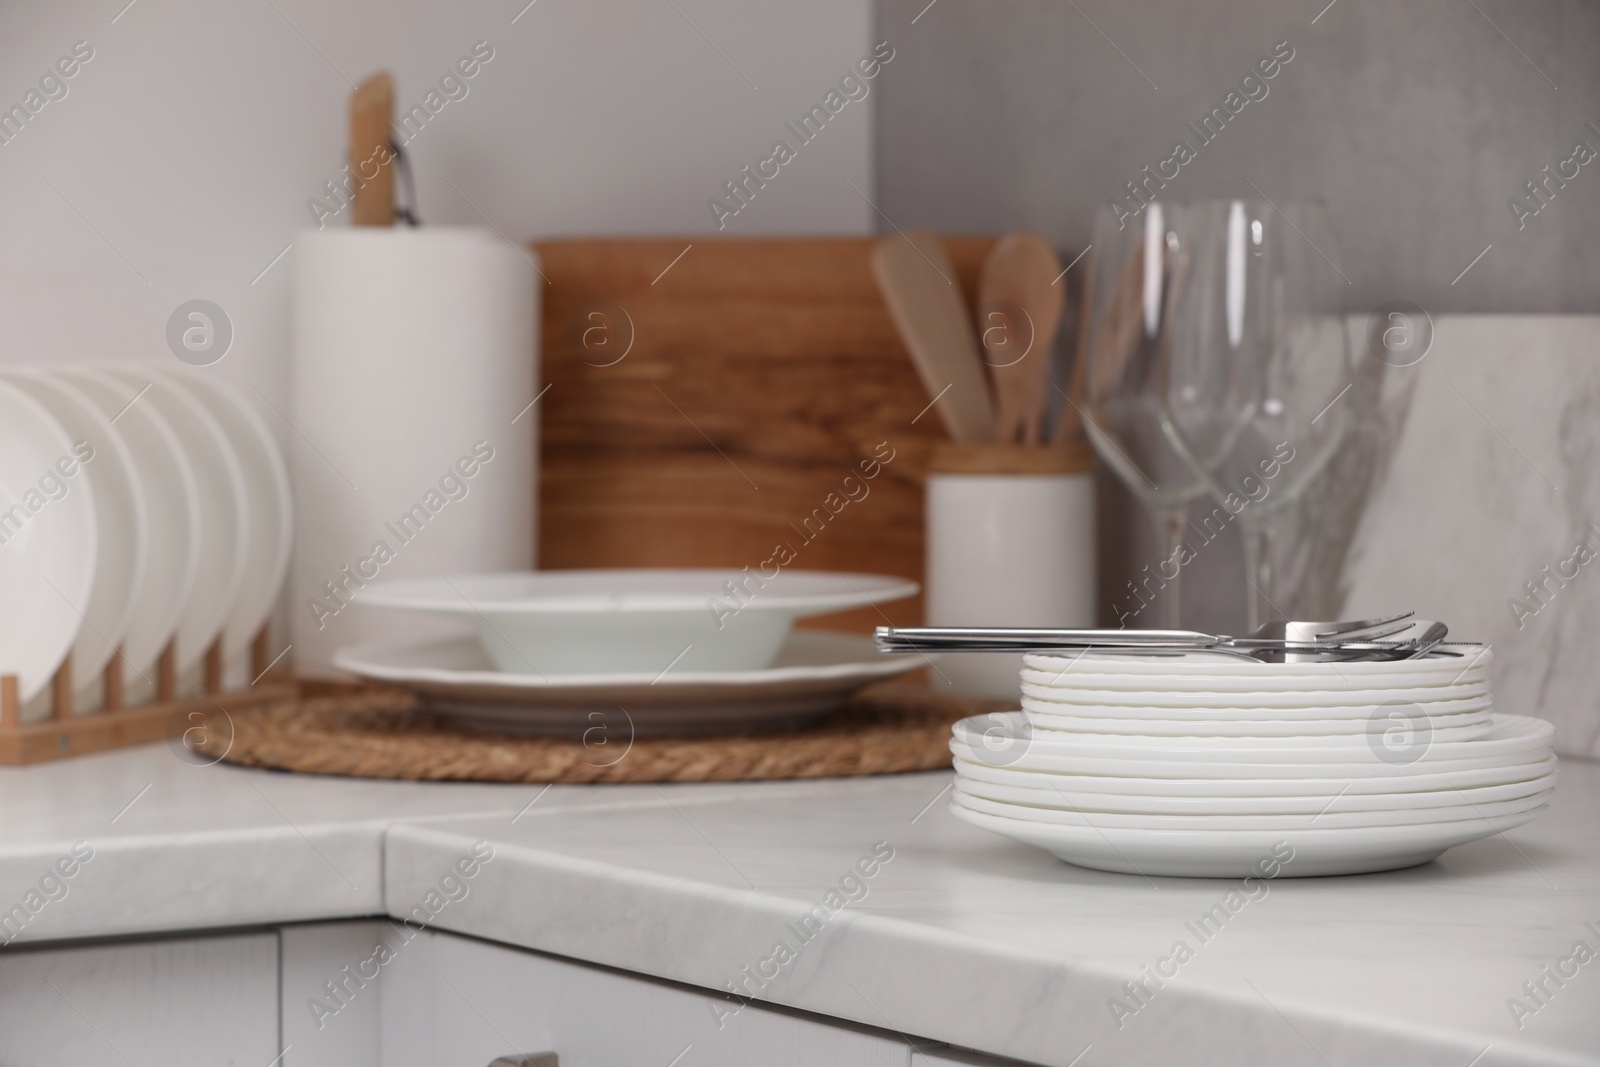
(1171, 525)
(1257, 541)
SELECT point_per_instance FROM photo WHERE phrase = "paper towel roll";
(414, 361)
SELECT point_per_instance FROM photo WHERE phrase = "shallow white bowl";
(635, 621)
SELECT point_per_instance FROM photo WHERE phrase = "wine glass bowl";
(1258, 365)
(1134, 277)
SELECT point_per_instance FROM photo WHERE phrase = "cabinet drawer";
(196, 1000)
(461, 1003)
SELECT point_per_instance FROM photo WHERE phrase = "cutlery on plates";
(919, 286)
(1019, 278)
(1377, 639)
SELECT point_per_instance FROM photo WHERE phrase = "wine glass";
(1135, 270)
(1258, 367)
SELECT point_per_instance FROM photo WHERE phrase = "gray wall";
(1414, 121)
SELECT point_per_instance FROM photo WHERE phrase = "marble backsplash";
(1488, 515)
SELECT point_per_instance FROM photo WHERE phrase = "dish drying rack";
(115, 725)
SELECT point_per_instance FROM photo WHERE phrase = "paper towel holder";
(371, 133)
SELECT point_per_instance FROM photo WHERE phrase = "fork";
(1383, 638)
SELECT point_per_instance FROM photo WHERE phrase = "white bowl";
(636, 621)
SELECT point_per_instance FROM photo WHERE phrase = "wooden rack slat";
(116, 725)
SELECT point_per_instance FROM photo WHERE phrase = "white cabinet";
(373, 994)
(199, 1000)
(454, 1002)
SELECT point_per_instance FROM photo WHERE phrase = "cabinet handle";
(527, 1059)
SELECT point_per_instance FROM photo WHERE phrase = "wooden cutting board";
(716, 409)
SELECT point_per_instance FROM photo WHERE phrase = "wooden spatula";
(919, 286)
(371, 113)
(1018, 277)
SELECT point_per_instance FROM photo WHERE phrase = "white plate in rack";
(815, 672)
(223, 505)
(167, 482)
(123, 531)
(266, 484)
(48, 542)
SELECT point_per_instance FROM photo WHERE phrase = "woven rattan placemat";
(887, 728)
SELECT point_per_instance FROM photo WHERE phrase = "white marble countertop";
(961, 936)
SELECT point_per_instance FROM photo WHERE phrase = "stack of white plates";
(1212, 766)
(138, 506)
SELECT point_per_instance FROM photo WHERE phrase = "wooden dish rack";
(115, 725)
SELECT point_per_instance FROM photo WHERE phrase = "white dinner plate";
(1239, 853)
(266, 482)
(1010, 733)
(1076, 674)
(1269, 699)
(223, 505)
(1322, 790)
(1212, 669)
(1002, 740)
(121, 527)
(1434, 709)
(1095, 804)
(1443, 728)
(168, 486)
(815, 672)
(47, 541)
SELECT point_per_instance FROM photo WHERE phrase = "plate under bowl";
(815, 672)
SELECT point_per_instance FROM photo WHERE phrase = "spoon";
(1019, 307)
(1391, 638)
(918, 283)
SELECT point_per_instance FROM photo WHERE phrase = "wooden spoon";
(1019, 282)
(918, 284)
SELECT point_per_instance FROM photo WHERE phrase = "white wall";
(180, 161)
